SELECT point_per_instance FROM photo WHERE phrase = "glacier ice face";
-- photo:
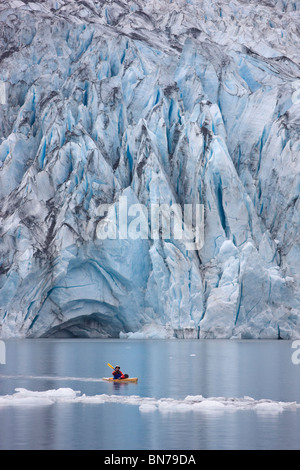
(162, 102)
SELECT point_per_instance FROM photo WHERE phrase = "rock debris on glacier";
(162, 102)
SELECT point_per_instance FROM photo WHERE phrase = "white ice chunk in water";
(192, 403)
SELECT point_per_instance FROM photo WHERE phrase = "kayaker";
(118, 374)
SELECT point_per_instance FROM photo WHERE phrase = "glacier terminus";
(175, 102)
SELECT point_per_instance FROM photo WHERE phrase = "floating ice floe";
(191, 403)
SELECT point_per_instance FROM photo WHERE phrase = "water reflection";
(121, 385)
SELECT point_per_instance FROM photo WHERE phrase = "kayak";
(129, 379)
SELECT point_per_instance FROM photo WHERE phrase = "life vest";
(117, 375)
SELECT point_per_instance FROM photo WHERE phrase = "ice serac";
(164, 102)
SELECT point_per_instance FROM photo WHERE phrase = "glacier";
(180, 101)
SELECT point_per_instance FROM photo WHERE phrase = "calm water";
(166, 369)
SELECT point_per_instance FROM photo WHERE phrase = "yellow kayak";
(129, 379)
